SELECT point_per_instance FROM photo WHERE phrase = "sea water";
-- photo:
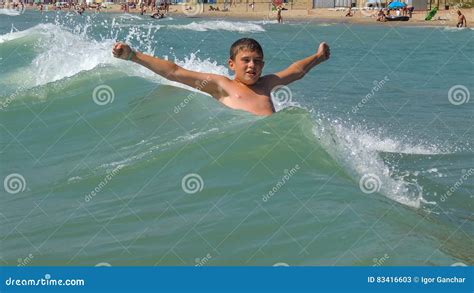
(369, 160)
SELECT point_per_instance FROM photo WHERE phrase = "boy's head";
(246, 60)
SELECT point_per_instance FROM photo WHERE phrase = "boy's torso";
(254, 99)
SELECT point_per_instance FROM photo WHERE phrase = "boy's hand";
(121, 50)
(323, 52)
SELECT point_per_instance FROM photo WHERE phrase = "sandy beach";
(333, 15)
(326, 15)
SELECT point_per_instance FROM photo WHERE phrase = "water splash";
(358, 153)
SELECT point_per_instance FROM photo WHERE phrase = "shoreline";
(444, 18)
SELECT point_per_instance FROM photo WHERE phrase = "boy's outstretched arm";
(298, 69)
(206, 82)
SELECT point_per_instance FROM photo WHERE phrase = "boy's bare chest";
(254, 101)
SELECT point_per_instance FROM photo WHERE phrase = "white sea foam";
(10, 12)
(146, 26)
(394, 145)
(62, 54)
(129, 16)
(14, 35)
(455, 29)
(242, 27)
(359, 154)
(266, 21)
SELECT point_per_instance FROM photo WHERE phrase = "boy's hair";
(245, 44)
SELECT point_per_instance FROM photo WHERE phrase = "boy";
(248, 91)
(279, 18)
(461, 20)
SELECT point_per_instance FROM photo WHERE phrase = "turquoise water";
(370, 160)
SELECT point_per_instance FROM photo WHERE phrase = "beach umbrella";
(277, 2)
(395, 5)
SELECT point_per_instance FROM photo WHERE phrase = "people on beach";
(461, 20)
(157, 15)
(410, 11)
(124, 7)
(279, 17)
(80, 10)
(381, 16)
(248, 91)
(252, 5)
(349, 12)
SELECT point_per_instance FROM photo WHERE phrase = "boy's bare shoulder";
(217, 78)
(268, 81)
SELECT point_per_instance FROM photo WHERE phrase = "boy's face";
(248, 66)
